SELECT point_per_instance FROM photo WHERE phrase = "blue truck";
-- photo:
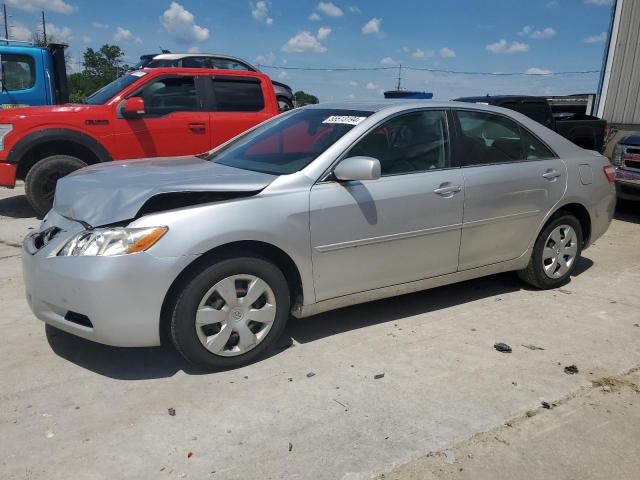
(32, 75)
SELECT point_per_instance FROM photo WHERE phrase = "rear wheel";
(230, 313)
(555, 253)
(40, 182)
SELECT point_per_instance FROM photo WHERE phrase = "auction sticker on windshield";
(344, 119)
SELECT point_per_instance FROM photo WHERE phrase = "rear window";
(241, 95)
(289, 142)
(538, 111)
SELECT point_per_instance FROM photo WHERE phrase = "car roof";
(178, 56)
(400, 105)
(499, 98)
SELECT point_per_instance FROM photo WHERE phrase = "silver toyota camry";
(319, 208)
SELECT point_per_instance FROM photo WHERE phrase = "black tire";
(534, 274)
(41, 180)
(284, 104)
(182, 323)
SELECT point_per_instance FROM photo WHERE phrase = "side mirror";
(358, 168)
(133, 107)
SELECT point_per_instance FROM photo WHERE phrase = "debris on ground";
(566, 292)
(290, 379)
(636, 324)
(532, 347)
(310, 374)
(450, 456)
(190, 454)
(613, 384)
(378, 375)
(50, 434)
(502, 347)
(546, 405)
(571, 370)
(290, 446)
(172, 412)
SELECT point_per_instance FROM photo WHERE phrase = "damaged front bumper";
(112, 300)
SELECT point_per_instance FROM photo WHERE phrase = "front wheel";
(555, 253)
(40, 183)
(230, 313)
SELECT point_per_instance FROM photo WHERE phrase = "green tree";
(99, 68)
(303, 98)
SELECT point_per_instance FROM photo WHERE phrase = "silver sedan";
(319, 208)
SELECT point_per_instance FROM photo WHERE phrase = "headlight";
(617, 155)
(107, 242)
(4, 129)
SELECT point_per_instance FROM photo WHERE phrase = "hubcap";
(559, 251)
(235, 315)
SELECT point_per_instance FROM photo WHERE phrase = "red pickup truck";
(159, 112)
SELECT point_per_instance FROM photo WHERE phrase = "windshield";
(289, 142)
(110, 90)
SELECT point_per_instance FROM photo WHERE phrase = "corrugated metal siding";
(623, 96)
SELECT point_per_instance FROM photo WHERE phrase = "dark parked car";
(626, 158)
(585, 131)
(284, 94)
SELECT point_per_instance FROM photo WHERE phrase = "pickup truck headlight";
(617, 156)
(4, 129)
(108, 242)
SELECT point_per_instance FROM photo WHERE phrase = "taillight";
(609, 172)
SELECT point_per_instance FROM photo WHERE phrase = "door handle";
(197, 127)
(551, 174)
(446, 189)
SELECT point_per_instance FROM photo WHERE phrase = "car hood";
(13, 114)
(112, 192)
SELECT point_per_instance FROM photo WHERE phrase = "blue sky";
(536, 36)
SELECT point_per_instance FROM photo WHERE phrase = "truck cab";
(32, 75)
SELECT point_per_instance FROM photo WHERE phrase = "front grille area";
(78, 319)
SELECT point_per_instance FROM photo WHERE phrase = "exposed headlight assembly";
(108, 242)
(4, 129)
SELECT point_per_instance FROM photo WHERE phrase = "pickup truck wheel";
(230, 313)
(555, 253)
(41, 180)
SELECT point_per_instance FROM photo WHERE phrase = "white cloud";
(372, 27)
(596, 38)
(59, 34)
(351, 96)
(406, 49)
(193, 49)
(58, 6)
(180, 24)
(446, 52)
(99, 25)
(528, 31)
(283, 75)
(371, 86)
(125, 35)
(303, 42)
(418, 53)
(599, 2)
(354, 9)
(260, 12)
(267, 59)
(315, 17)
(552, 4)
(86, 39)
(503, 46)
(353, 83)
(387, 61)
(330, 9)
(17, 31)
(538, 71)
(323, 33)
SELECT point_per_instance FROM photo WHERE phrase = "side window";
(226, 64)
(19, 72)
(488, 138)
(238, 95)
(533, 148)
(415, 142)
(168, 95)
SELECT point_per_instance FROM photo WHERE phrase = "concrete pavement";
(73, 409)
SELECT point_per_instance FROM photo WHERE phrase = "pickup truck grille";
(632, 158)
